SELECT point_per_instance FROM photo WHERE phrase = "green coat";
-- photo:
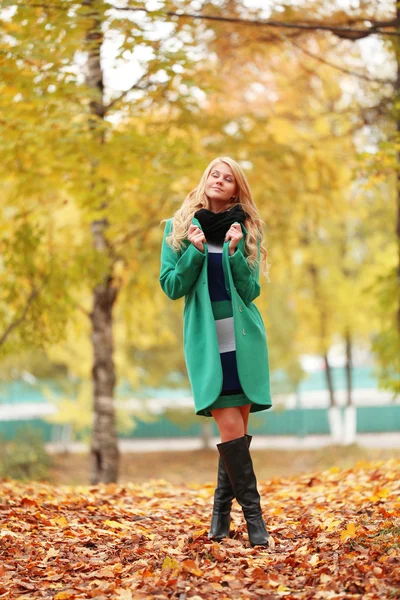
(184, 273)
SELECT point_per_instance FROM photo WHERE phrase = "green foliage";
(24, 457)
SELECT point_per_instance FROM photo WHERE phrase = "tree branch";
(338, 67)
(135, 86)
(34, 293)
(351, 33)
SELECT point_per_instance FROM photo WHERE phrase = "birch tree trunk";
(350, 411)
(104, 455)
(334, 412)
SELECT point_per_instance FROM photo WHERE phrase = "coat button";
(244, 332)
(241, 308)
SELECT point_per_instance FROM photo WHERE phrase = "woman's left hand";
(234, 234)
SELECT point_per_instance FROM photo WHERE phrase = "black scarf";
(215, 225)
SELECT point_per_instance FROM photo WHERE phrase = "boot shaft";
(236, 458)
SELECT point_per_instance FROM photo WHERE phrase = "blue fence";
(294, 422)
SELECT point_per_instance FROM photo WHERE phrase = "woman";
(211, 255)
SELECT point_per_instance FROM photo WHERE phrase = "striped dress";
(232, 393)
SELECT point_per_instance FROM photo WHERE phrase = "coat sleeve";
(179, 272)
(245, 278)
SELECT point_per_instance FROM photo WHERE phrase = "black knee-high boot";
(223, 496)
(236, 457)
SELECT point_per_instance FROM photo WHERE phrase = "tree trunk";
(104, 453)
(334, 412)
(329, 379)
(350, 411)
(349, 369)
(206, 434)
(322, 331)
(104, 449)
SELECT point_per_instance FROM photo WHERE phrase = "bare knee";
(230, 424)
(232, 429)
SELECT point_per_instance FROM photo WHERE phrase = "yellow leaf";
(199, 533)
(349, 532)
(330, 524)
(64, 596)
(61, 521)
(383, 493)
(170, 563)
(115, 524)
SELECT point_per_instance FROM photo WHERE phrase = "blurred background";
(109, 114)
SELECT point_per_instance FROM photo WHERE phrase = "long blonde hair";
(197, 199)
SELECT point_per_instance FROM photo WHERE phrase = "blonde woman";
(212, 254)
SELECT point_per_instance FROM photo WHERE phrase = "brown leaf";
(28, 502)
(105, 572)
(258, 573)
(190, 566)
(332, 541)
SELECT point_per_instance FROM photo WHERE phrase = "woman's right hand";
(196, 237)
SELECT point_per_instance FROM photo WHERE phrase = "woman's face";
(220, 185)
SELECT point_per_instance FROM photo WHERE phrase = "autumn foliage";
(335, 534)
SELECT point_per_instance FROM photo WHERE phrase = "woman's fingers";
(196, 237)
(195, 234)
(234, 233)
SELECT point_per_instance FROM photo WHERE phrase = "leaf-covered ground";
(336, 534)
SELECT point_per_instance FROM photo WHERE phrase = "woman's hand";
(234, 234)
(196, 237)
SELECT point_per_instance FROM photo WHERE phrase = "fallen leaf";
(170, 563)
(348, 533)
(314, 560)
(106, 572)
(148, 541)
(191, 567)
(60, 521)
(115, 525)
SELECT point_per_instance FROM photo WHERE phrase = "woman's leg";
(245, 410)
(237, 461)
(231, 422)
(235, 455)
